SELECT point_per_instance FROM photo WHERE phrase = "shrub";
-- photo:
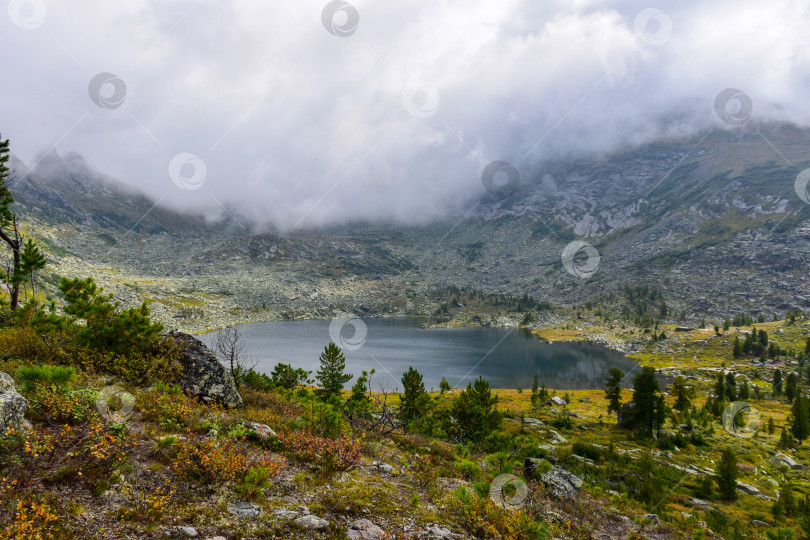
(588, 450)
(46, 375)
(145, 505)
(338, 454)
(483, 519)
(255, 480)
(213, 462)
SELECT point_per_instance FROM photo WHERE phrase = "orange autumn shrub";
(212, 462)
(338, 454)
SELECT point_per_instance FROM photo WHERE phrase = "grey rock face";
(203, 376)
(561, 484)
(12, 404)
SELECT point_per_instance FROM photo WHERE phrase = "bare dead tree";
(230, 350)
(385, 416)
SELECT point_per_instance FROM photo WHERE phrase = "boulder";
(561, 484)
(556, 400)
(783, 460)
(203, 376)
(190, 532)
(556, 438)
(262, 430)
(364, 529)
(12, 404)
(311, 522)
(746, 488)
(244, 510)
(434, 532)
(382, 467)
(626, 415)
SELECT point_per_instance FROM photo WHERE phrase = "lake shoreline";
(392, 344)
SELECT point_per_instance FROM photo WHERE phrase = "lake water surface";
(506, 357)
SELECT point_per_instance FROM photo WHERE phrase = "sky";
(306, 113)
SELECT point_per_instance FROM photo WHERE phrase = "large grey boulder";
(12, 404)
(203, 376)
(561, 484)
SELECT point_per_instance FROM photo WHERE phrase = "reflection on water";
(506, 357)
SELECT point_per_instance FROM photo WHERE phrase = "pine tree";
(787, 500)
(745, 391)
(801, 417)
(771, 426)
(414, 401)
(645, 390)
(331, 376)
(9, 233)
(731, 386)
(777, 382)
(613, 390)
(786, 438)
(727, 475)
(790, 385)
(737, 347)
(683, 394)
(359, 403)
(720, 386)
(444, 386)
(661, 411)
(31, 260)
(475, 411)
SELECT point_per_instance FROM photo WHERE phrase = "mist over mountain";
(394, 119)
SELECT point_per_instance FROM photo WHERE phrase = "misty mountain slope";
(713, 220)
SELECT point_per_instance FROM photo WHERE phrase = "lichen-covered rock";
(561, 484)
(364, 529)
(311, 522)
(12, 404)
(203, 376)
(245, 510)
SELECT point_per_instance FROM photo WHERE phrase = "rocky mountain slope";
(714, 220)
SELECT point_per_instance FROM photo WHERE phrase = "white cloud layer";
(298, 127)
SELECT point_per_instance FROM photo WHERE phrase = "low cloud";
(298, 127)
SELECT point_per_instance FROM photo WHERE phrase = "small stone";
(364, 529)
(191, 532)
(311, 522)
(244, 510)
(283, 513)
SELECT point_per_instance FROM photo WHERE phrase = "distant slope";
(713, 220)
